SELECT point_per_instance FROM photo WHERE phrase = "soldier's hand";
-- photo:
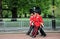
(41, 26)
(32, 23)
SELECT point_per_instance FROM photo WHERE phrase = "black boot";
(44, 35)
(28, 33)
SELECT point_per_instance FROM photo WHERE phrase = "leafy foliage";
(23, 6)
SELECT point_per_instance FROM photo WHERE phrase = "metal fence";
(24, 24)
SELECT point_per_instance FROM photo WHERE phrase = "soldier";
(31, 22)
(38, 22)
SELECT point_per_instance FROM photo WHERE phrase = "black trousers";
(30, 29)
(42, 32)
(40, 29)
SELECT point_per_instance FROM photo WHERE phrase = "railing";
(24, 24)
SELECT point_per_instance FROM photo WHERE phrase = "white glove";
(41, 26)
(32, 23)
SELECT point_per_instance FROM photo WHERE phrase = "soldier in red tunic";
(38, 22)
(31, 22)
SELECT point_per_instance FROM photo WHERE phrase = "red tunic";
(38, 20)
(31, 20)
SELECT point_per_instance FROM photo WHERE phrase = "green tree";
(0, 10)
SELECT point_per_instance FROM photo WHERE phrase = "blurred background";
(18, 11)
(21, 8)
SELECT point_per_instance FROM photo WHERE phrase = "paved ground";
(24, 36)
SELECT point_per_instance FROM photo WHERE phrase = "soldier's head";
(36, 10)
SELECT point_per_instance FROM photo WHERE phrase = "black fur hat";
(37, 9)
(31, 11)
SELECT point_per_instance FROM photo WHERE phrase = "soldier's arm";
(41, 22)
